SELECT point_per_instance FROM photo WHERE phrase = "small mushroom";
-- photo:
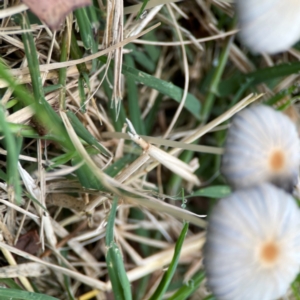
(252, 250)
(268, 26)
(262, 145)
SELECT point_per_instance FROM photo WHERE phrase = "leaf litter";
(68, 219)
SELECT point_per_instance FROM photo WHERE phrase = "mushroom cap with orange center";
(252, 249)
(262, 145)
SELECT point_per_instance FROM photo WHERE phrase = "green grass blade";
(81, 82)
(153, 52)
(83, 133)
(20, 130)
(114, 260)
(12, 158)
(76, 53)
(3, 176)
(109, 237)
(90, 181)
(175, 182)
(85, 31)
(217, 192)
(295, 290)
(210, 297)
(84, 25)
(86, 178)
(276, 100)
(213, 89)
(265, 75)
(192, 104)
(45, 113)
(33, 62)
(142, 8)
(10, 283)
(51, 88)
(119, 165)
(61, 160)
(151, 118)
(189, 288)
(165, 281)
(64, 55)
(23, 295)
(119, 121)
(67, 279)
(113, 276)
(138, 215)
(143, 284)
(141, 58)
(93, 14)
(133, 100)
(115, 264)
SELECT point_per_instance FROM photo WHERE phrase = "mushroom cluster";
(252, 250)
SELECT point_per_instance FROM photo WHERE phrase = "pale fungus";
(262, 145)
(268, 26)
(252, 249)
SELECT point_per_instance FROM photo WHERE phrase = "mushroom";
(262, 145)
(268, 26)
(252, 250)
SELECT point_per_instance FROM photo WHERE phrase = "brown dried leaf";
(65, 200)
(29, 242)
(53, 12)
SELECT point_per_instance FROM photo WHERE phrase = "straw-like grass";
(85, 212)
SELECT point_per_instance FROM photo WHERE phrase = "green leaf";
(118, 122)
(10, 283)
(188, 288)
(83, 133)
(142, 8)
(51, 88)
(12, 147)
(217, 191)
(85, 30)
(44, 112)
(64, 55)
(210, 297)
(133, 99)
(165, 281)
(76, 53)
(33, 62)
(141, 58)
(23, 295)
(84, 25)
(114, 260)
(213, 88)
(87, 178)
(232, 84)
(192, 104)
(90, 181)
(81, 82)
(61, 160)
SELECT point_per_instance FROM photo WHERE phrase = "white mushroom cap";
(252, 249)
(269, 26)
(262, 145)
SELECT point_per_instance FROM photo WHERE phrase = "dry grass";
(63, 229)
